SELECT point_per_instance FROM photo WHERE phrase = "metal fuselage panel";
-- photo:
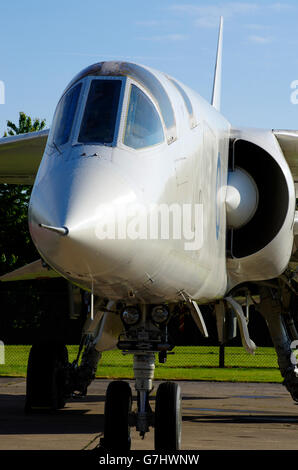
(74, 183)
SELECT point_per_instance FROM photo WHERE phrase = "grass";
(188, 363)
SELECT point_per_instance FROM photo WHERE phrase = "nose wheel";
(168, 420)
(116, 416)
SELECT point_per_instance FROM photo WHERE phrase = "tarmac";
(216, 415)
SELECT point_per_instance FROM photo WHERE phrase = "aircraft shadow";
(14, 420)
(185, 398)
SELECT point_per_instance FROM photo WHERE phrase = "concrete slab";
(223, 416)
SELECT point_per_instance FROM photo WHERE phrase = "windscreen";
(100, 115)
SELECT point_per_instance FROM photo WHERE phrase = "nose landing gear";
(119, 418)
(143, 339)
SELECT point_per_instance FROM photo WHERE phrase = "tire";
(45, 377)
(116, 416)
(168, 420)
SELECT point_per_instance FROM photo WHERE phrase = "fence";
(187, 362)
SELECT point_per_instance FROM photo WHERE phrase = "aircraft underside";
(143, 331)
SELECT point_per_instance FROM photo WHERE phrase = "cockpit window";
(65, 114)
(143, 126)
(99, 120)
(154, 86)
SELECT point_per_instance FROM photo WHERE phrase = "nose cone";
(69, 208)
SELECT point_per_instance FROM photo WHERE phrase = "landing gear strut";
(143, 366)
(275, 307)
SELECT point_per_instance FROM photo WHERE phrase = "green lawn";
(188, 363)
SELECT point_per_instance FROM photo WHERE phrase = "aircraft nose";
(69, 212)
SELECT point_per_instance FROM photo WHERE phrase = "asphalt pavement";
(216, 415)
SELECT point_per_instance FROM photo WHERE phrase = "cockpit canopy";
(101, 95)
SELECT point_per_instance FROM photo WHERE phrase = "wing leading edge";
(288, 141)
(20, 157)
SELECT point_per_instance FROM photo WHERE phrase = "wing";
(20, 157)
(288, 141)
(36, 270)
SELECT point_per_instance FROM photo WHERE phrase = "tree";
(25, 125)
(24, 304)
(16, 247)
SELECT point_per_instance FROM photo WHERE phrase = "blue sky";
(44, 44)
